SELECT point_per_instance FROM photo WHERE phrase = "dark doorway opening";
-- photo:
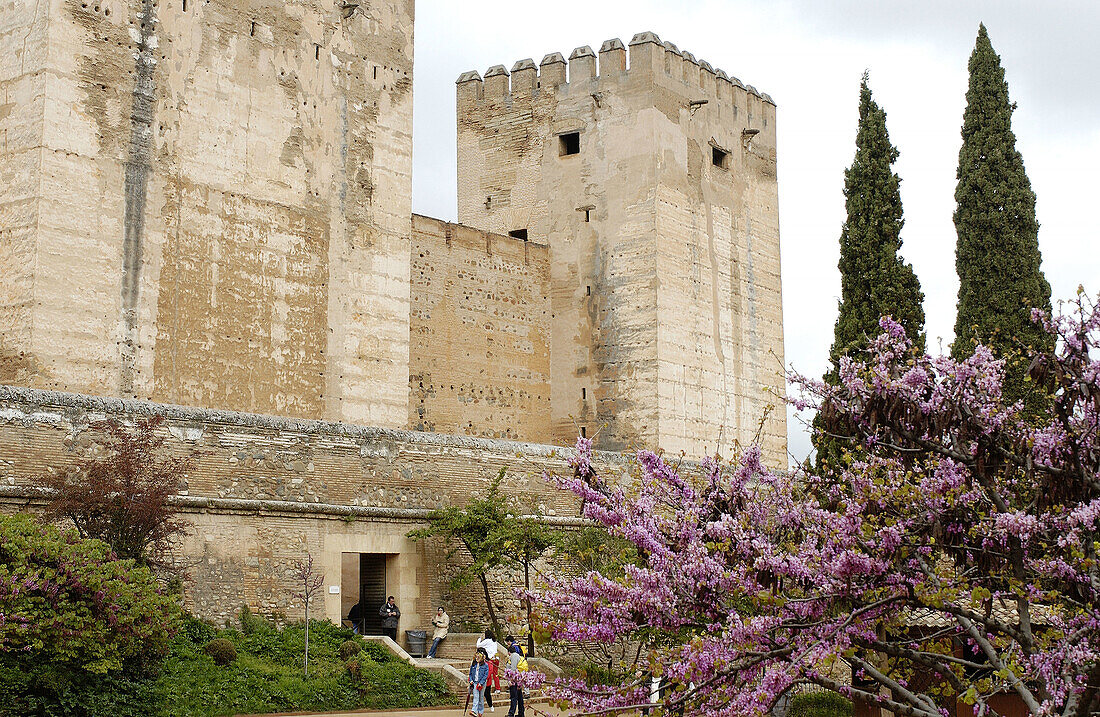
(364, 582)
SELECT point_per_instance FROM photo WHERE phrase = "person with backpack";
(479, 676)
(518, 663)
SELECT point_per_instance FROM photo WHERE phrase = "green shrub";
(594, 673)
(819, 704)
(83, 634)
(286, 646)
(350, 648)
(397, 685)
(251, 686)
(377, 652)
(221, 651)
(196, 631)
(252, 623)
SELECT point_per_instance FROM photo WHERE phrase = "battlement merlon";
(648, 56)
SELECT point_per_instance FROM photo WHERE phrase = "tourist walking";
(491, 648)
(390, 615)
(515, 692)
(442, 622)
(479, 679)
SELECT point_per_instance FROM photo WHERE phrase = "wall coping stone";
(39, 398)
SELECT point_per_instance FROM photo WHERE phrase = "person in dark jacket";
(515, 692)
(390, 615)
(355, 617)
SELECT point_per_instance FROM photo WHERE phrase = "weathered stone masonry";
(266, 490)
(655, 187)
(208, 202)
(479, 358)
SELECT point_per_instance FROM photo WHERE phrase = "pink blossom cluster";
(953, 558)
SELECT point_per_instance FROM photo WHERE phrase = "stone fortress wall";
(266, 490)
(479, 333)
(205, 214)
(207, 202)
(663, 226)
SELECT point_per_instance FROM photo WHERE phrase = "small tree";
(122, 496)
(525, 539)
(472, 526)
(954, 562)
(76, 625)
(311, 584)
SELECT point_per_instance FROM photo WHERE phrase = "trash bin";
(417, 641)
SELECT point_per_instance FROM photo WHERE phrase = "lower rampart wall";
(265, 491)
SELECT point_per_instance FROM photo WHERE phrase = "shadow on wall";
(16, 367)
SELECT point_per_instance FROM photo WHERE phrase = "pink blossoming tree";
(953, 559)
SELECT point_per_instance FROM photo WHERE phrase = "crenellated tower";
(652, 177)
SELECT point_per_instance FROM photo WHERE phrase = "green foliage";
(267, 675)
(250, 622)
(80, 632)
(594, 549)
(377, 652)
(874, 280)
(397, 685)
(594, 673)
(819, 704)
(493, 534)
(997, 255)
(221, 651)
(350, 648)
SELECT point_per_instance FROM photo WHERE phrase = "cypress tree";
(997, 256)
(874, 280)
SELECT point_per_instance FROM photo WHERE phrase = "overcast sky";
(809, 55)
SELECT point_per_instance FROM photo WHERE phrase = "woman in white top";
(491, 647)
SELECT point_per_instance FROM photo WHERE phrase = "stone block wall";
(208, 202)
(267, 490)
(654, 184)
(479, 359)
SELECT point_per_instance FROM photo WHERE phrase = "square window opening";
(569, 143)
(518, 234)
(719, 157)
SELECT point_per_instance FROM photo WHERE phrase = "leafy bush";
(267, 675)
(594, 673)
(350, 648)
(221, 651)
(397, 685)
(377, 652)
(80, 632)
(819, 704)
(252, 623)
